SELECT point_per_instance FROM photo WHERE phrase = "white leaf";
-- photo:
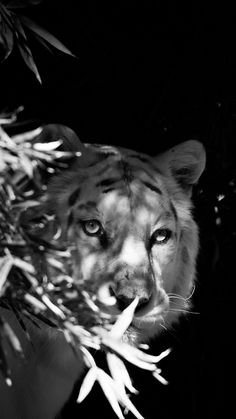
(56, 310)
(124, 399)
(47, 146)
(159, 377)
(34, 302)
(119, 372)
(107, 385)
(87, 384)
(128, 352)
(6, 263)
(26, 164)
(27, 136)
(124, 320)
(22, 264)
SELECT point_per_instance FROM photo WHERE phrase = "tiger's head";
(129, 218)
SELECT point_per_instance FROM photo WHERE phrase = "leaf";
(29, 61)
(24, 48)
(119, 372)
(6, 263)
(4, 367)
(23, 265)
(44, 43)
(107, 386)
(27, 136)
(43, 33)
(124, 320)
(87, 384)
(126, 402)
(47, 146)
(20, 4)
(127, 352)
(26, 164)
(56, 310)
(6, 39)
(12, 338)
(38, 305)
(159, 377)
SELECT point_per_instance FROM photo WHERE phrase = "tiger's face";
(129, 219)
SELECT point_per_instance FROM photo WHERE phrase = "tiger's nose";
(126, 292)
(124, 301)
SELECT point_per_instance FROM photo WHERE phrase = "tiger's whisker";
(183, 310)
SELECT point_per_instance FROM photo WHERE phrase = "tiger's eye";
(161, 236)
(92, 227)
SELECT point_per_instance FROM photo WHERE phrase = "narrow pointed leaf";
(87, 384)
(124, 320)
(26, 164)
(127, 352)
(6, 39)
(6, 264)
(22, 264)
(34, 27)
(12, 339)
(20, 4)
(47, 146)
(27, 136)
(29, 61)
(44, 43)
(126, 402)
(159, 377)
(106, 384)
(4, 367)
(119, 372)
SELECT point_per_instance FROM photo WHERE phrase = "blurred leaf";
(44, 43)
(6, 263)
(17, 4)
(119, 372)
(87, 384)
(11, 338)
(27, 136)
(124, 320)
(43, 33)
(29, 61)
(4, 367)
(24, 49)
(36, 304)
(26, 164)
(159, 377)
(107, 385)
(22, 264)
(47, 146)
(6, 39)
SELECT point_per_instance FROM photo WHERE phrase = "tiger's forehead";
(134, 201)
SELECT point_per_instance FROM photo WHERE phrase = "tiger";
(130, 219)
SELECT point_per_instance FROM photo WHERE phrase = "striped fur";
(133, 197)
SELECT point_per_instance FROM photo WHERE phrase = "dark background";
(149, 76)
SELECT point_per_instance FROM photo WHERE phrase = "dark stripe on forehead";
(87, 205)
(152, 187)
(108, 190)
(107, 182)
(74, 197)
(149, 171)
(172, 207)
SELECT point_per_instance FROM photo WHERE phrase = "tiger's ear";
(185, 162)
(70, 142)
